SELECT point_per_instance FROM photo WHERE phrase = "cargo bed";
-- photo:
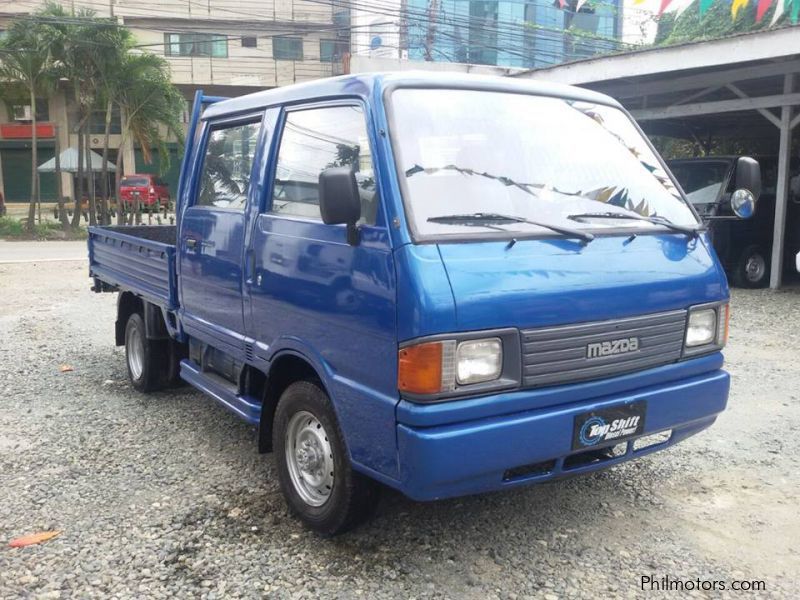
(139, 259)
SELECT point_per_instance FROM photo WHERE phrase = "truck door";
(213, 232)
(312, 291)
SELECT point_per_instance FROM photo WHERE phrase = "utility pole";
(433, 9)
(403, 49)
(62, 214)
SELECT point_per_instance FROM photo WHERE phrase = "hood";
(534, 283)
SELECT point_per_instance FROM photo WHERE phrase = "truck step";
(223, 391)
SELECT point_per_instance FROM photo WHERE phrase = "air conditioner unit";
(23, 113)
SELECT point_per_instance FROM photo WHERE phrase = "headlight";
(702, 328)
(706, 329)
(479, 360)
(436, 368)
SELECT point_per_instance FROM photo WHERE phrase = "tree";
(151, 108)
(716, 22)
(96, 56)
(116, 43)
(73, 38)
(26, 60)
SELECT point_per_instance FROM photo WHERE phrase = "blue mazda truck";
(443, 284)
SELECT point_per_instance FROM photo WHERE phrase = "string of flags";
(790, 7)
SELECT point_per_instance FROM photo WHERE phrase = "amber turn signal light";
(725, 319)
(420, 368)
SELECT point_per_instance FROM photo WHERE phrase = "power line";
(502, 34)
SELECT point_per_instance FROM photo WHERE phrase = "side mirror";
(339, 201)
(748, 187)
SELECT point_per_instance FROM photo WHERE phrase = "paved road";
(23, 252)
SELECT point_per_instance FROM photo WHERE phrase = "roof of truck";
(363, 85)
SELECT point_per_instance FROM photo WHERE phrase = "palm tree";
(116, 43)
(97, 59)
(72, 37)
(26, 59)
(151, 107)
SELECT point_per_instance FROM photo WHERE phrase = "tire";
(752, 268)
(147, 360)
(332, 498)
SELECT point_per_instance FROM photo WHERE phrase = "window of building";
(250, 41)
(287, 48)
(483, 32)
(22, 112)
(314, 140)
(543, 46)
(196, 44)
(331, 50)
(227, 166)
(97, 121)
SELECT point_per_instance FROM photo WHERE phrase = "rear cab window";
(227, 165)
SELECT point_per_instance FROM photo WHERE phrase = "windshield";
(134, 182)
(536, 158)
(701, 180)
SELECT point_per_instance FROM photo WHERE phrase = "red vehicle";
(153, 192)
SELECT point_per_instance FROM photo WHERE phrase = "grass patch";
(13, 229)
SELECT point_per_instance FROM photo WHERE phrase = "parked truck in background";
(744, 247)
(444, 301)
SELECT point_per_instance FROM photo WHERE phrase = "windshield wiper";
(691, 231)
(480, 219)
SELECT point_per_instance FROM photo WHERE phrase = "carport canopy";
(69, 162)
(744, 84)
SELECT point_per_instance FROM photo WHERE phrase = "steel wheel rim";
(755, 267)
(135, 353)
(309, 458)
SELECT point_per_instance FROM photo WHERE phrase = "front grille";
(555, 355)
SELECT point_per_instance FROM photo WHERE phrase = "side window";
(225, 177)
(314, 140)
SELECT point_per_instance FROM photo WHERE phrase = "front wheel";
(314, 470)
(752, 269)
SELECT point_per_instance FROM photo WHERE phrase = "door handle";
(195, 244)
(250, 267)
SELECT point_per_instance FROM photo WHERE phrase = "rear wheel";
(752, 269)
(314, 470)
(147, 360)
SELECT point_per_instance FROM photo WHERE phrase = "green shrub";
(13, 229)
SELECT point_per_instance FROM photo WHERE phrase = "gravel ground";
(165, 495)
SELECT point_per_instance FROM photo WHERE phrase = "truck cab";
(442, 284)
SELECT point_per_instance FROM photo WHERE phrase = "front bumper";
(495, 452)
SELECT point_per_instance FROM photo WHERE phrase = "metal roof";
(366, 85)
(753, 46)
